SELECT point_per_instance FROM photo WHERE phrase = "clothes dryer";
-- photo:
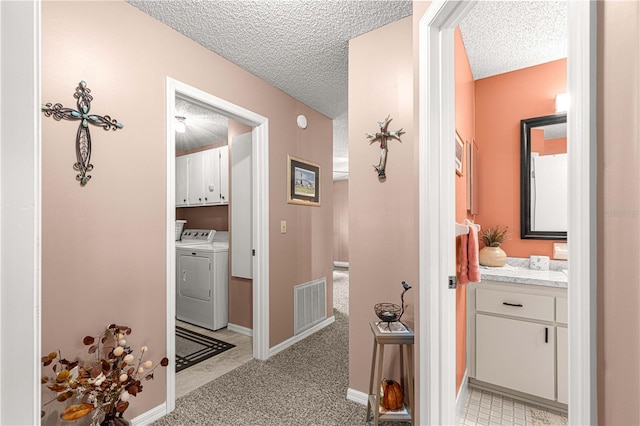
(202, 276)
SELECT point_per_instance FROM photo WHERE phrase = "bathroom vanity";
(517, 334)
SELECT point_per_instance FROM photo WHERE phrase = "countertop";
(517, 271)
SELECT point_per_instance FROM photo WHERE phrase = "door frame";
(260, 199)
(437, 348)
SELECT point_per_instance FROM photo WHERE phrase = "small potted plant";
(491, 254)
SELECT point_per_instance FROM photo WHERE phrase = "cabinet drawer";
(562, 313)
(514, 304)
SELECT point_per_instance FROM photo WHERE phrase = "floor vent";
(309, 304)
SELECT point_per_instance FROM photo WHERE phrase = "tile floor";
(486, 408)
(200, 374)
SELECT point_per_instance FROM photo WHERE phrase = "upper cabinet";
(202, 178)
(182, 179)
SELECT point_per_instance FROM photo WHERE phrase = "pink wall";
(465, 126)
(92, 272)
(383, 222)
(501, 102)
(618, 213)
(341, 220)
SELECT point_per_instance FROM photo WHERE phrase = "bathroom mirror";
(543, 177)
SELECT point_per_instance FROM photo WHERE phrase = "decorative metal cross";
(383, 135)
(83, 137)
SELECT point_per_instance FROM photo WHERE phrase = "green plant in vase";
(491, 254)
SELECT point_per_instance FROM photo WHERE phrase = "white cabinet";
(517, 339)
(223, 154)
(196, 175)
(516, 354)
(202, 178)
(562, 354)
(182, 188)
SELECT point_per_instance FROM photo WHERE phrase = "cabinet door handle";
(518, 305)
(546, 334)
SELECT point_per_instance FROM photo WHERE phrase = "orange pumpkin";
(391, 395)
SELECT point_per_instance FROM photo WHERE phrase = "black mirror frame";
(526, 233)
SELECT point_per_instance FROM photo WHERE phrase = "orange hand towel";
(464, 260)
(469, 265)
(473, 255)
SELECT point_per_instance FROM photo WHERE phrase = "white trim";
(340, 264)
(260, 148)
(437, 348)
(437, 212)
(150, 416)
(170, 241)
(20, 212)
(240, 329)
(582, 230)
(260, 202)
(357, 396)
(462, 394)
(299, 337)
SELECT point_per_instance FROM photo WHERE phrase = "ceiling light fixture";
(562, 102)
(180, 124)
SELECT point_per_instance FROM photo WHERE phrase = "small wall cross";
(382, 136)
(83, 137)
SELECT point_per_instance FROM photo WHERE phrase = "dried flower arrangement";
(104, 386)
(493, 237)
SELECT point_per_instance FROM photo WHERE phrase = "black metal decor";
(382, 136)
(83, 137)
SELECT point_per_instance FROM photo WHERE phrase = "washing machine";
(202, 278)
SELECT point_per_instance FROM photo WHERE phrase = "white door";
(241, 207)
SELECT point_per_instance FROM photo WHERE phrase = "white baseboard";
(295, 339)
(240, 329)
(150, 416)
(340, 264)
(357, 396)
(462, 394)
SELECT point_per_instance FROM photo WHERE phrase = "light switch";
(283, 226)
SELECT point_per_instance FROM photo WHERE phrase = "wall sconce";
(180, 124)
(562, 102)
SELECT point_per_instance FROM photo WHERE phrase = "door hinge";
(453, 281)
(253, 252)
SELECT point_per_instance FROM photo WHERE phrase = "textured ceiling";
(301, 47)
(503, 36)
(203, 126)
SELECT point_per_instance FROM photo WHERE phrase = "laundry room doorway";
(241, 315)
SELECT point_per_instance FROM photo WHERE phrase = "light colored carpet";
(305, 384)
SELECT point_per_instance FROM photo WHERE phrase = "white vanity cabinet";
(182, 179)
(515, 340)
(562, 344)
(202, 178)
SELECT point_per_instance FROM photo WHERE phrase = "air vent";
(309, 304)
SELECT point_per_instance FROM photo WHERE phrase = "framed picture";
(459, 154)
(303, 182)
(473, 176)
